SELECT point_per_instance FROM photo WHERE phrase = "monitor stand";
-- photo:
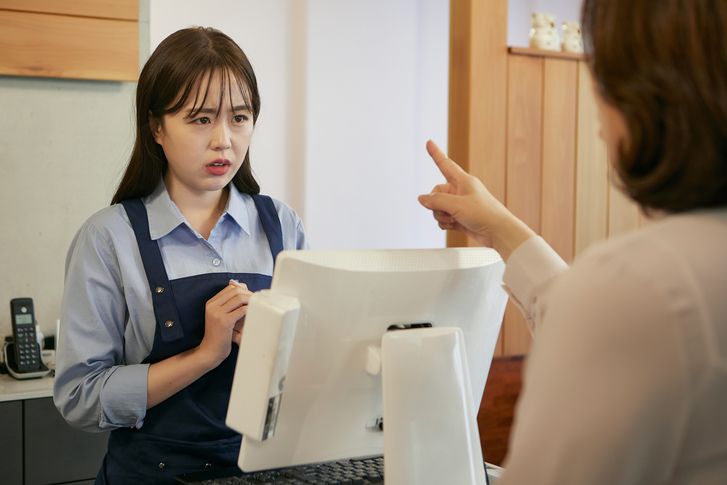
(430, 422)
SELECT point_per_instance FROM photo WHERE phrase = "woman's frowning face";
(206, 141)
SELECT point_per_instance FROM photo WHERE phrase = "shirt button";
(159, 289)
(207, 465)
(162, 465)
(216, 261)
(169, 323)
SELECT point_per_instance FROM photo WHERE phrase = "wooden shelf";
(74, 39)
(109, 9)
(527, 51)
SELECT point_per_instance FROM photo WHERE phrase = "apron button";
(169, 323)
(161, 465)
(158, 290)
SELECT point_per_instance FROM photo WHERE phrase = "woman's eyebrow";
(239, 107)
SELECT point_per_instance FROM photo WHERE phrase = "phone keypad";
(27, 350)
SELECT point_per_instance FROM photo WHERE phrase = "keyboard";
(360, 471)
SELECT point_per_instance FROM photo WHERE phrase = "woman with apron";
(157, 284)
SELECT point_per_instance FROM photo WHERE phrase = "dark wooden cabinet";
(39, 448)
(11, 443)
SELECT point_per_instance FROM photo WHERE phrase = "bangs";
(197, 87)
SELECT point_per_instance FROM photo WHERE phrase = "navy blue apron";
(186, 432)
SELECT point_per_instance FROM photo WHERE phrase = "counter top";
(16, 390)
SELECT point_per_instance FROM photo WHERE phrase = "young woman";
(157, 285)
(627, 379)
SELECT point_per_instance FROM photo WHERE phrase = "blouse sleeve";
(529, 272)
(94, 390)
(605, 395)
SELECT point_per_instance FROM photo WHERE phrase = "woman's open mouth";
(218, 167)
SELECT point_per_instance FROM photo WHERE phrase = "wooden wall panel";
(460, 66)
(478, 87)
(560, 82)
(51, 45)
(478, 97)
(112, 9)
(523, 181)
(591, 219)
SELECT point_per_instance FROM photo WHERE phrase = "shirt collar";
(164, 215)
(237, 210)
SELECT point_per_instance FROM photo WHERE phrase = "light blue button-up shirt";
(107, 318)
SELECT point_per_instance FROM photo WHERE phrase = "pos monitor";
(308, 386)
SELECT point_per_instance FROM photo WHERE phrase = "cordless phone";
(27, 351)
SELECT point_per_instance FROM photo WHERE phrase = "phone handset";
(25, 361)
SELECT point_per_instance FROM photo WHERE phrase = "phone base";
(9, 356)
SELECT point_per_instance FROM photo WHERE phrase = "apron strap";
(165, 307)
(271, 223)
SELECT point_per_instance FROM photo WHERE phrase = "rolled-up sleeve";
(94, 389)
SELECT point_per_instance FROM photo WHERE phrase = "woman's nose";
(221, 137)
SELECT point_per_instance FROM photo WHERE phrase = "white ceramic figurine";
(543, 32)
(572, 38)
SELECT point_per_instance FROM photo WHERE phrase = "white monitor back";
(348, 299)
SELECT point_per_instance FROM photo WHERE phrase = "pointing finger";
(449, 168)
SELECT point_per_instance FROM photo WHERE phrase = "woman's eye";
(204, 120)
(240, 118)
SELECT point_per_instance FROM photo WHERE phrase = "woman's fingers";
(449, 168)
(237, 330)
(441, 216)
(238, 284)
(230, 292)
(225, 293)
(235, 301)
(440, 202)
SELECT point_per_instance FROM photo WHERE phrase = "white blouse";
(626, 382)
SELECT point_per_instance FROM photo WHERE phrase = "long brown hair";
(166, 83)
(663, 65)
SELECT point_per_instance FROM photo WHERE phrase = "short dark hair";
(663, 65)
(166, 82)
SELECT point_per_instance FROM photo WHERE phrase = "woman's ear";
(155, 126)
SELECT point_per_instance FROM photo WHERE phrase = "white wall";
(519, 16)
(376, 90)
(351, 90)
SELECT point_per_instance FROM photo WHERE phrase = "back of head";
(169, 79)
(663, 65)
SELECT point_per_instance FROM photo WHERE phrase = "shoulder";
(288, 217)
(102, 229)
(661, 253)
(286, 213)
(645, 288)
(108, 218)
(107, 222)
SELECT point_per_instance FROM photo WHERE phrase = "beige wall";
(63, 147)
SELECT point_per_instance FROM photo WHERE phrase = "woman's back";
(688, 261)
(636, 333)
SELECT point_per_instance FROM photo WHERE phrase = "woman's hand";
(224, 318)
(465, 204)
(237, 329)
(224, 314)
